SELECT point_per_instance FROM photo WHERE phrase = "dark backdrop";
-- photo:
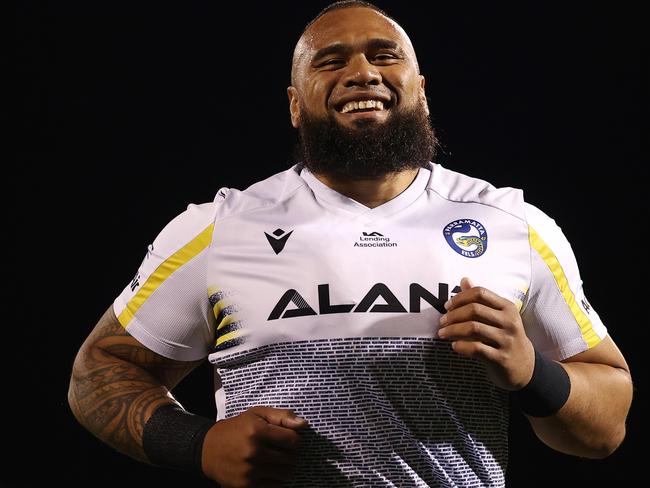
(128, 111)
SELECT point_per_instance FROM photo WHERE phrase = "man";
(367, 312)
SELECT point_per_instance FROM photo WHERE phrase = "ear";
(294, 106)
(423, 95)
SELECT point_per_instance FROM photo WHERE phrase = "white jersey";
(303, 298)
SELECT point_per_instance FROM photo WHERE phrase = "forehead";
(353, 26)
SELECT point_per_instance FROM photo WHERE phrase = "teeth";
(364, 104)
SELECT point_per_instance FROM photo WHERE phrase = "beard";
(406, 140)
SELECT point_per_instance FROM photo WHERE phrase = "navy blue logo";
(467, 237)
(278, 240)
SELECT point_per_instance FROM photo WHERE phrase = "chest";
(296, 274)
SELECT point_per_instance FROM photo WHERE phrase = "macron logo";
(278, 239)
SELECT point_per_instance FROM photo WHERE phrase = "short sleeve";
(557, 317)
(166, 306)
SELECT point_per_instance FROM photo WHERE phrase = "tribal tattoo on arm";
(117, 384)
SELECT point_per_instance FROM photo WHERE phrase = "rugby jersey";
(304, 298)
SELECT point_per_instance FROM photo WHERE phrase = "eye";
(385, 57)
(332, 62)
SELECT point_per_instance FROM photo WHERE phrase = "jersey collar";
(334, 199)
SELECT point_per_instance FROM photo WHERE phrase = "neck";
(371, 192)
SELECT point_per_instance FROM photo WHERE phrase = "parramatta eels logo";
(467, 237)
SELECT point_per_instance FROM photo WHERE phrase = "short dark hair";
(346, 4)
(341, 4)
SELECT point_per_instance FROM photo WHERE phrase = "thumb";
(294, 422)
(280, 416)
(466, 283)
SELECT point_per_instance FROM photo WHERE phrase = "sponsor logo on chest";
(293, 304)
(374, 239)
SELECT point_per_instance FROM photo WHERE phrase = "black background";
(128, 111)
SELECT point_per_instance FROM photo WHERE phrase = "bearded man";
(367, 311)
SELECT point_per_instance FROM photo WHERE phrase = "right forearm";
(113, 399)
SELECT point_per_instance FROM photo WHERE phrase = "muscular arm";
(592, 421)
(117, 383)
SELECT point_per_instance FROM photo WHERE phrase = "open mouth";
(369, 106)
(362, 106)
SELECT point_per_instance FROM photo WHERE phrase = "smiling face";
(357, 98)
(355, 66)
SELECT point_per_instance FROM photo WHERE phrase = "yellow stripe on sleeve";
(164, 271)
(588, 333)
(227, 337)
(227, 320)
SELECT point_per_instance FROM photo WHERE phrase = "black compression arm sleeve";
(174, 438)
(547, 391)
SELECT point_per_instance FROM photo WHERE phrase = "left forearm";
(592, 421)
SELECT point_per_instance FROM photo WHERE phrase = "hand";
(255, 448)
(483, 325)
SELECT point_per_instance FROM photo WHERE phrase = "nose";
(360, 72)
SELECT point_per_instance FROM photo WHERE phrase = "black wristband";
(547, 391)
(173, 438)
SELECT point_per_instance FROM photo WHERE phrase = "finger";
(295, 423)
(279, 416)
(466, 283)
(279, 437)
(474, 312)
(477, 294)
(476, 349)
(473, 331)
